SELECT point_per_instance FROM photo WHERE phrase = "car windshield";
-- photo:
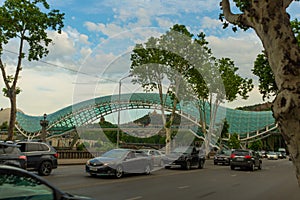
(115, 153)
(225, 152)
(182, 150)
(16, 186)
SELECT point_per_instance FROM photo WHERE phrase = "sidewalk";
(72, 161)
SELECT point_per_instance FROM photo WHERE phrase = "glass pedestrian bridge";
(245, 123)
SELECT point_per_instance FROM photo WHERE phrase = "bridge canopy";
(240, 122)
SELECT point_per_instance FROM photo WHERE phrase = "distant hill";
(156, 119)
(257, 107)
(4, 115)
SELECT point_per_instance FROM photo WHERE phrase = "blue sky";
(91, 55)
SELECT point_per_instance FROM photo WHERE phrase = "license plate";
(239, 159)
(93, 168)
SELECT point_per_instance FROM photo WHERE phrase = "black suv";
(222, 157)
(41, 156)
(10, 154)
(245, 159)
(185, 157)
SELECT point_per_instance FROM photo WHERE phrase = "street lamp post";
(44, 123)
(119, 102)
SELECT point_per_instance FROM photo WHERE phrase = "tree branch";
(236, 19)
(4, 74)
(229, 16)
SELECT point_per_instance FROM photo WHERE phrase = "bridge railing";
(73, 154)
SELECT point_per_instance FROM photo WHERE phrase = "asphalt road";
(276, 181)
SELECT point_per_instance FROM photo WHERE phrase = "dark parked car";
(118, 162)
(17, 184)
(222, 157)
(10, 154)
(41, 157)
(185, 157)
(245, 159)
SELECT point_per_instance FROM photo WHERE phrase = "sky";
(91, 55)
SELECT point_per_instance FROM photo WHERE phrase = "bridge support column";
(44, 123)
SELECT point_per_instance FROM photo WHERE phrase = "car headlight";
(110, 164)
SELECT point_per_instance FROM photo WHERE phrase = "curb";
(72, 161)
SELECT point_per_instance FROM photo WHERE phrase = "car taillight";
(232, 155)
(23, 157)
(248, 157)
(56, 155)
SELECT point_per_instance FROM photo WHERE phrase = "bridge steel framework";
(247, 124)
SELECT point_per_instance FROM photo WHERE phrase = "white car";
(156, 156)
(272, 155)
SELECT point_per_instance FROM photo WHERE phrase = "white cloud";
(62, 45)
(106, 29)
(242, 49)
(43, 92)
(210, 23)
(254, 98)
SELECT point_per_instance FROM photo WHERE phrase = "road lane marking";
(135, 198)
(183, 187)
(207, 194)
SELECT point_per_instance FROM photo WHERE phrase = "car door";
(130, 163)
(195, 156)
(142, 160)
(31, 150)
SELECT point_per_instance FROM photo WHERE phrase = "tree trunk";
(12, 117)
(284, 58)
(272, 24)
(168, 139)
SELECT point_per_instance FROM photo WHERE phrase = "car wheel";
(161, 164)
(252, 167)
(187, 165)
(93, 175)
(45, 168)
(201, 164)
(119, 171)
(215, 163)
(167, 167)
(232, 167)
(147, 169)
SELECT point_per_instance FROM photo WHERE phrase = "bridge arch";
(247, 124)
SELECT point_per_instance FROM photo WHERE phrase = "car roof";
(9, 144)
(242, 150)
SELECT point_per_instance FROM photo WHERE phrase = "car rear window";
(28, 147)
(8, 150)
(241, 153)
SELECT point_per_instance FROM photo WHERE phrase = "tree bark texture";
(271, 23)
(12, 121)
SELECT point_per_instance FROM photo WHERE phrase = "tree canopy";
(185, 62)
(26, 22)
